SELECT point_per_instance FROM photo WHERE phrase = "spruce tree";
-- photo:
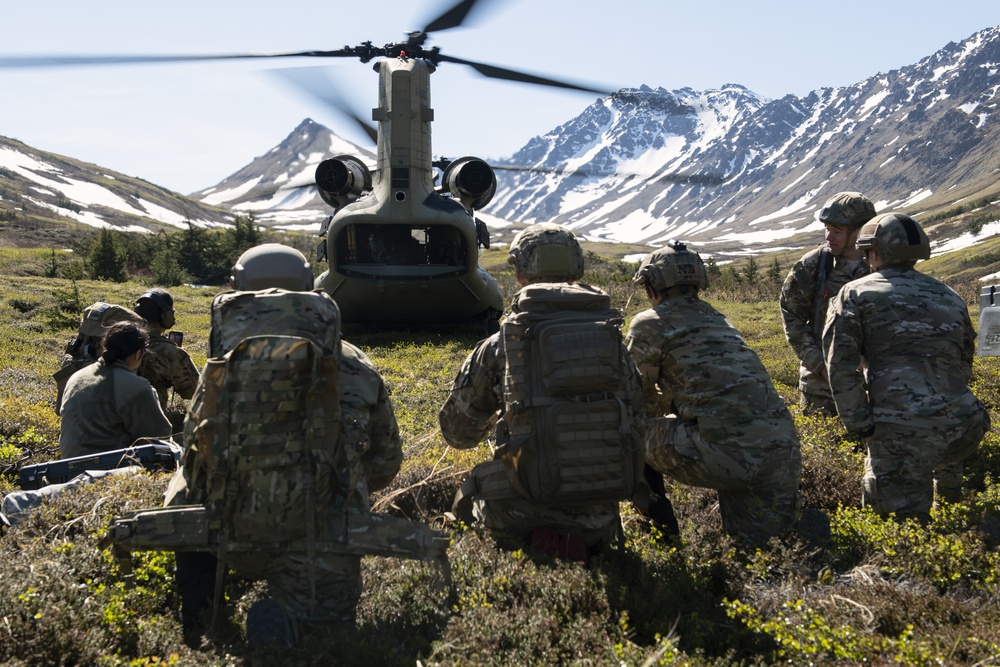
(106, 261)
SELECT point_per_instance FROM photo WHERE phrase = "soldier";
(726, 427)
(548, 260)
(810, 285)
(913, 337)
(322, 591)
(166, 364)
(106, 406)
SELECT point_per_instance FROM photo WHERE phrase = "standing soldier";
(716, 420)
(812, 282)
(559, 386)
(911, 403)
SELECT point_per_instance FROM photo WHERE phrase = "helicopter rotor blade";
(15, 62)
(313, 82)
(452, 18)
(696, 179)
(494, 72)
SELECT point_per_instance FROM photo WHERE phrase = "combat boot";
(268, 624)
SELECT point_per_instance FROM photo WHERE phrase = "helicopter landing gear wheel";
(491, 325)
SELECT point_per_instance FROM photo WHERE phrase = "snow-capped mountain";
(918, 138)
(631, 158)
(277, 186)
(38, 188)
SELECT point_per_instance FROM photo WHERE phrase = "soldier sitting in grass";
(106, 405)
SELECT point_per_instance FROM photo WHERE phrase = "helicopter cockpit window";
(401, 245)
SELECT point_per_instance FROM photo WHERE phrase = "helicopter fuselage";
(403, 252)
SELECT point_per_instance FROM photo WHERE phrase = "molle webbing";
(280, 415)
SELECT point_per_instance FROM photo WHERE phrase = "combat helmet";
(156, 305)
(272, 265)
(847, 209)
(546, 252)
(670, 266)
(898, 239)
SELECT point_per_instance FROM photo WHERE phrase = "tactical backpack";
(266, 418)
(567, 435)
(84, 349)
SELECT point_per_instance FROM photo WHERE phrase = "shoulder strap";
(823, 268)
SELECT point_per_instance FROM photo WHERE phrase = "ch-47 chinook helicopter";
(400, 249)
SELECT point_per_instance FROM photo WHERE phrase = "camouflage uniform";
(166, 365)
(728, 428)
(916, 339)
(372, 450)
(798, 314)
(106, 408)
(470, 414)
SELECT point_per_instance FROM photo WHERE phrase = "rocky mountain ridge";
(277, 186)
(920, 138)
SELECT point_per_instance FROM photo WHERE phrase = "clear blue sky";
(188, 126)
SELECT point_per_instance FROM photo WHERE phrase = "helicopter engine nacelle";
(471, 181)
(342, 179)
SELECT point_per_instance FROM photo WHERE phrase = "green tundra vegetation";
(874, 592)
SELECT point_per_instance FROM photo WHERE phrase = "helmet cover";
(847, 209)
(546, 252)
(898, 238)
(672, 265)
(272, 265)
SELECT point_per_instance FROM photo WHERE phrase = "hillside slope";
(44, 189)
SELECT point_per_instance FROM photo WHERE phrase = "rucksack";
(265, 420)
(84, 349)
(567, 431)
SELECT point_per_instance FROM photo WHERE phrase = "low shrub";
(873, 592)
